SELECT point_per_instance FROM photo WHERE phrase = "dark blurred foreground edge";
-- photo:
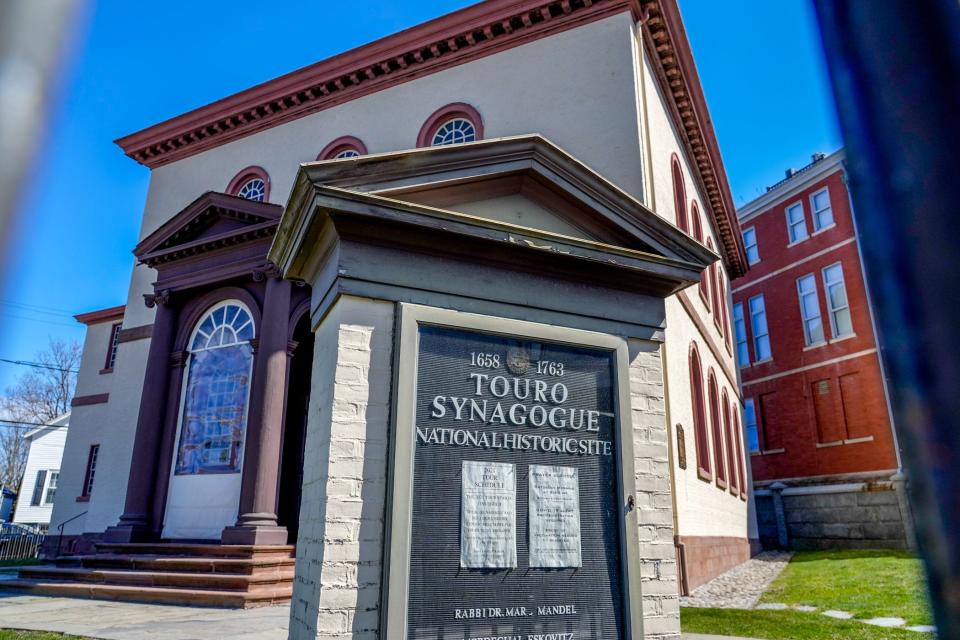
(895, 68)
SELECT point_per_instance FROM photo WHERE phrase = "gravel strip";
(742, 586)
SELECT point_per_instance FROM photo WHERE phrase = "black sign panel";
(487, 399)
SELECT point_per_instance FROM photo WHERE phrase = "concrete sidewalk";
(133, 621)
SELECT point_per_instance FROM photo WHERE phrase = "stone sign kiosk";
(487, 377)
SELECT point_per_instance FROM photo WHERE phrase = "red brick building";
(815, 405)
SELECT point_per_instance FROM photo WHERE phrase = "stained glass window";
(455, 131)
(253, 189)
(214, 420)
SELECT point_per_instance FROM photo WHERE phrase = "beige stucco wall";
(703, 509)
(111, 425)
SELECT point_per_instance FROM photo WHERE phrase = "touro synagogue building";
(430, 338)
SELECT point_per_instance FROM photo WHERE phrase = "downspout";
(650, 199)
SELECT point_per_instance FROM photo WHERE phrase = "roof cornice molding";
(473, 32)
(666, 41)
(797, 182)
(100, 315)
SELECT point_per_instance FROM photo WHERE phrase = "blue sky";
(134, 64)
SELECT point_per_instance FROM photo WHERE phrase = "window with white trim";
(114, 341)
(822, 211)
(840, 322)
(750, 417)
(253, 189)
(740, 329)
(810, 310)
(796, 223)
(91, 469)
(348, 152)
(758, 324)
(455, 131)
(750, 245)
(51, 493)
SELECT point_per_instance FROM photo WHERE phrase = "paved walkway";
(133, 621)
(742, 586)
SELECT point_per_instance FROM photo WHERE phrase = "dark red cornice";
(666, 39)
(101, 315)
(473, 32)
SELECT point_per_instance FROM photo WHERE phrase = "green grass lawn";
(783, 625)
(22, 562)
(15, 634)
(868, 584)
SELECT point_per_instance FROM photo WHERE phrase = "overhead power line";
(37, 365)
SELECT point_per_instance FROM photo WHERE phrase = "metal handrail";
(60, 531)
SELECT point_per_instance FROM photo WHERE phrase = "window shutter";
(38, 489)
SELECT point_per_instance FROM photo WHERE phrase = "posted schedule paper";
(488, 521)
(554, 517)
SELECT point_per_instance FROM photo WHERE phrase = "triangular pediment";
(212, 221)
(525, 181)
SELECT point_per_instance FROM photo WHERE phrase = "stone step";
(205, 581)
(249, 566)
(164, 595)
(197, 550)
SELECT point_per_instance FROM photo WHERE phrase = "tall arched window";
(741, 469)
(728, 442)
(679, 194)
(698, 236)
(701, 438)
(214, 416)
(707, 274)
(452, 124)
(716, 429)
(252, 183)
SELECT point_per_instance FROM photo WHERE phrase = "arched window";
(343, 147)
(679, 194)
(741, 469)
(452, 124)
(701, 438)
(716, 430)
(214, 418)
(728, 442)
(698, 236)
(252, 183)
(707, 274)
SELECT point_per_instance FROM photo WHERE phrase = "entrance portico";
(206, 466)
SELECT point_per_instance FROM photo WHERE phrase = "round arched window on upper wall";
(701, 437)
(217, 387)
(679, 193)
(253, 183)
(698, 236)
(343, 147)
(452, 124)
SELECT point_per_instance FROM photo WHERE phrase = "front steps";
(212, 575)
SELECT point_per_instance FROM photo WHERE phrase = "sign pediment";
(211, 222)
(523, 186)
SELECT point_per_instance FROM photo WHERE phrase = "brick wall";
(336, 593)
(658, 565)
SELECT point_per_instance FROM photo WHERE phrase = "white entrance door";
(205, 476)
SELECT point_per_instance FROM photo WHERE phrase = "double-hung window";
(796, 223)
(822, 212)
(758, 324)
(51, 487)
(840, 322)
(810, 310)
(750, 245)
(740, 329)
(750, 417)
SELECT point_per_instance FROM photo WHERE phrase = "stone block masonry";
(336, 592)
(658, 565)
(864, 515)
